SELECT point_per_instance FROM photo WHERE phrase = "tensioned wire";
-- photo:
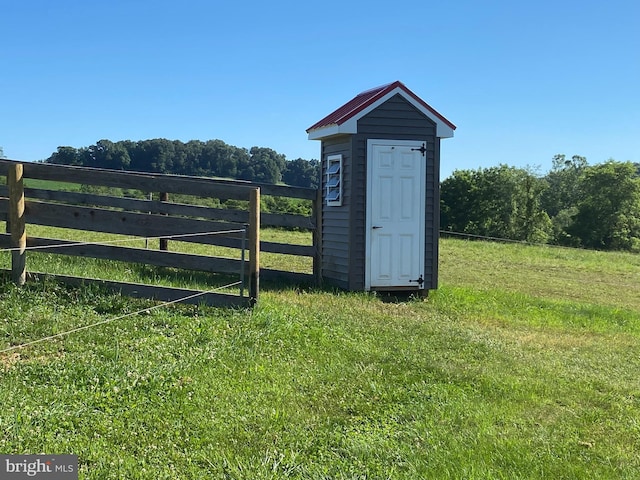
(122, 240)
(224, 232)
(144, 310)
(505, 240)
(471, 236)
(103, 322)
(77, 244)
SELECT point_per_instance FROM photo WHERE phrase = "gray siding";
(336, 243)
(435, 231)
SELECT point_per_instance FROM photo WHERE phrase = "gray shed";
(380, 157)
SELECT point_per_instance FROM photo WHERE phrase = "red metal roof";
(367, 98)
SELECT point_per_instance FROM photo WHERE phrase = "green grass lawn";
(524, 364)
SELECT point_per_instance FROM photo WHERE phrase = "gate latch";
(420, 280)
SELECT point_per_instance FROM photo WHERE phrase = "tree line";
(212, 158)
(574, 204)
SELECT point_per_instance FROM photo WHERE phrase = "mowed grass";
(524, 364)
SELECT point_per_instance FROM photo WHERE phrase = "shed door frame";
(402, 281)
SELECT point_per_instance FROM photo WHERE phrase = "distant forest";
(212, 158)
(574, 204)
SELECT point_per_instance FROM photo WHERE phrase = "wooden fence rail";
(152, 218)
(147, 219)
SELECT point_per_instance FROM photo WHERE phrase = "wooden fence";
(238, 229)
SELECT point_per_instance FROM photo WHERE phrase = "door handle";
(375, 227)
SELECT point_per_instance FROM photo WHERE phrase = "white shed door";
(395, 214)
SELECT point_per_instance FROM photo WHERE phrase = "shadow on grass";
(209, 280)
(400, 296)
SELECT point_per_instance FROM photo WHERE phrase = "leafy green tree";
(190, 158)
(563, 180)
(501, 202)
(154, 155)
(66, 156)
(535, 224)
(2, 153)
(608, 215)
(459, 202)
(162, 153)
(563, 195)
(302, 173)
(106, 154)
(222, 160)
(265, 165)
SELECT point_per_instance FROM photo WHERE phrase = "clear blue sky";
(522, 81)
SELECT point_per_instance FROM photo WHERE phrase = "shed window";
(334, 167)
(334, 180)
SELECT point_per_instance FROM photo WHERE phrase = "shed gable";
(344, 120)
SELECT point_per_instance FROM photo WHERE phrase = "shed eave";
(333, 130)
(443, 131)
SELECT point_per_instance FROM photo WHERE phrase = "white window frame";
(333, 192)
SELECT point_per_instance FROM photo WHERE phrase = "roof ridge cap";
(381, 88)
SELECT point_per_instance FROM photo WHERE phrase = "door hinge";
(422, 149)
(420, 281)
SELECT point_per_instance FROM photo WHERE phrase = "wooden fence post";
(317, 238)
(164, 242)
(254, 246)
(17, 224)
